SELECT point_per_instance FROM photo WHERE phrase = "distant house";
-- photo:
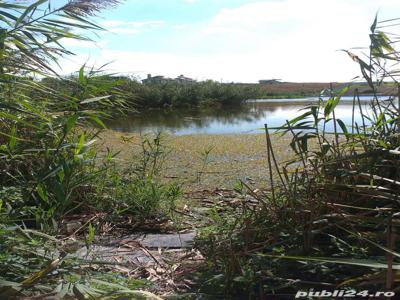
(184, 79)
(159, 79)
(155, 79)
(269, 81)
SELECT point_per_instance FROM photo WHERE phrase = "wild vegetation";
(331, 213)
(170, 94)
(49, 167)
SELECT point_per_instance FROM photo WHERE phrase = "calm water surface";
(247, 119)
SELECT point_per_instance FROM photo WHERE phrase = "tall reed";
(331, 216)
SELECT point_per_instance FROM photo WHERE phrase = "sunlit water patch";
(250, 118)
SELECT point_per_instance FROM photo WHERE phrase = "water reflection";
(247, 119)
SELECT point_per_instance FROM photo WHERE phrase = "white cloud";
(308, 17)
(288, 39)
(294, 40)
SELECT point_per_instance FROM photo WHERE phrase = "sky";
(232, 40)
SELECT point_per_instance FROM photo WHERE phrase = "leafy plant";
(137, 190)
(45, 148)
(48, 162)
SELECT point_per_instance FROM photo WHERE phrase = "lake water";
(247, 119)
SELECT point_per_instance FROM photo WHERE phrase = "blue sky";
(232, 40)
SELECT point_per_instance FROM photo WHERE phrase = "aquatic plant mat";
(206, 161)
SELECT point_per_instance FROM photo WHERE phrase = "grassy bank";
(290, 90)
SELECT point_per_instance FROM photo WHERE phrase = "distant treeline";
(162, 95)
